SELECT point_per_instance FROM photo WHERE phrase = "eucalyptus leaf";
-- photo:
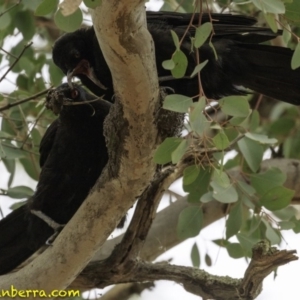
(190, 222)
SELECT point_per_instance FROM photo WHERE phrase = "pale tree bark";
(128, 50)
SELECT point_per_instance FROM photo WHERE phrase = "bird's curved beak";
(84, 68)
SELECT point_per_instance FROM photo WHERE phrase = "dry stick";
(17, 59)
(9, 105)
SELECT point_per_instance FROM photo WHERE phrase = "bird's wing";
(47, 142)
(174, 19)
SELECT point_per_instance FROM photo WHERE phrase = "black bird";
(243, 63)
(73, 155)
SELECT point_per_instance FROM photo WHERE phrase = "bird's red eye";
(74, 93)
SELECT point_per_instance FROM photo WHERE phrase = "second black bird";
(73, 155)
(243, 63)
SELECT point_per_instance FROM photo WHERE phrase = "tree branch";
(9, 105)
(199, 282)
(128, 50)
(163, 235)
(265, 259)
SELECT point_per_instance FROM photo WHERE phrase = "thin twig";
(9, 105)
(32, 127)
(4, 12)
(12, 55)
(17, 59)
(67, 101)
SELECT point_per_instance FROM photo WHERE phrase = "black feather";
(242, 62)
(73, 155)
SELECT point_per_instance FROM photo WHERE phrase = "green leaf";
(32, 169)
(201, 125)
(254, 120)
(270, 6)
(221, 242)
(190, 222)
(234, 221)
(200, 184)
(198, 120)
(221, 178)
(26, 64)
(20, 192)
(261, 138)
(277, 198)
(168, 64)
(255, 227)
(221, 141)
(10, 165)
(92, 3)
(177, 103)
(223, 194)
(296, 57)
(252, 152)
(68, 7)
(18, 204)
(46, 7)
(69, 23)
(195, 256)
(239, 121)
(247, 201)
(11, 152)
(22, 82)
(286, 214)
(286, 225)
(24, 21)
(272, 234)
(271, 20)
(235, 250)
(211, 45)
(199, 67)
(207, 197)
(175, 39)
(286, 35)
(282, 126)
(56, 75)
(198, 108)
(163, 153)
(208, 260)
(296, 229)
(246, 188)
(181, 62)
(246, 242)
(268, 180)
(236, 106)
(202, 34)
(5, 21)
(179, 151)
(190, 174)
(293, 11)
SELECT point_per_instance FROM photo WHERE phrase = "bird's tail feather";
(14, 240)
(267, 70)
